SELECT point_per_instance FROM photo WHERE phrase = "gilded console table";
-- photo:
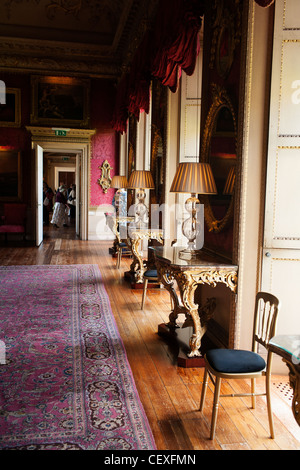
(188, 274)
(113, 221)
(288, 347)
(136, 236)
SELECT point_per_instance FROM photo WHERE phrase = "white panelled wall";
(281, 244)
(269, 235)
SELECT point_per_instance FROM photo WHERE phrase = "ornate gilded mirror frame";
(158, 141)
(157, 166)
(220, 100)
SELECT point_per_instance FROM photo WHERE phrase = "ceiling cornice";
(101, 60)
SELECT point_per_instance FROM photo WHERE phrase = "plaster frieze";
(48, 65)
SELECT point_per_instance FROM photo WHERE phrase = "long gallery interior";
(174, 126)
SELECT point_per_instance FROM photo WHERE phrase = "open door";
(78, 195)
(39, 194)
(77, 141)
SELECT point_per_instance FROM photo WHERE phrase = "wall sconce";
(194, 178)
(105, 180)
(141, 180)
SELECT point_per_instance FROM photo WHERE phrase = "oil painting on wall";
(60, 101)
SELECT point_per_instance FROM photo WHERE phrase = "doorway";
(77, 142)
(57, 169)
(60, 169)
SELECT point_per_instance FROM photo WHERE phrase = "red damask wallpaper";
(104, 142)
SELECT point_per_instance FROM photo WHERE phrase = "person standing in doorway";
(47, 202)
(72, 201)
(60, 208)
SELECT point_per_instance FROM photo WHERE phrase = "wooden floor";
(170, 394)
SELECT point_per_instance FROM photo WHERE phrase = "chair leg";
(144, 292)
(269, 406)
(119, 258)
(253, 392)
(204, 387)
(215, 407)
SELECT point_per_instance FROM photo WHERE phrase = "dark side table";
(206, 269)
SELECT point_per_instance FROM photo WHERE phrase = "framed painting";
(10, 176)
(10, 111)
(60, 101)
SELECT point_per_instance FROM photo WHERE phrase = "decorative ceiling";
(83, 37)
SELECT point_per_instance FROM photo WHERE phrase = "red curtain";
(171, 46)
(177, 44)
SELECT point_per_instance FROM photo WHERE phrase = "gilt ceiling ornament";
(92, 9)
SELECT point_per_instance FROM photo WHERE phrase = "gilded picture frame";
(60, 101)
(10, 111)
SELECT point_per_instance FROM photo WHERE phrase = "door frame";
(79, 142)
(38, 195)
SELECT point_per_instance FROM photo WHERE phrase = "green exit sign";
(61, 132)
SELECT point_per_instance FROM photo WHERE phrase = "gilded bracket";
(105, 180)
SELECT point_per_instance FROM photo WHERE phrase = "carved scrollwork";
(187, 281)
(105, 179)
(135, 238)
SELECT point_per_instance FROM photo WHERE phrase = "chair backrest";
(265, 318)
(15, 214)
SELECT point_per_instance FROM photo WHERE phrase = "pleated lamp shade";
(229, 185)
(141, 179)
(195, 178)
(119, 182)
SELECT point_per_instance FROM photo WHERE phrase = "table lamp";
(194, 178)
(141, 180)
(119, 182)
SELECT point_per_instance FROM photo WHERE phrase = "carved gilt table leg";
(137, 237)
(196, 317)
(137, 260)
(166, 277)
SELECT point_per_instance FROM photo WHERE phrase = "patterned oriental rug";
(66, 382)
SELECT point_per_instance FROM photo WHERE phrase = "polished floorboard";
(170, 394)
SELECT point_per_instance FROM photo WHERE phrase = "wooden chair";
(239, 364)
(149, 275)
(120, 246)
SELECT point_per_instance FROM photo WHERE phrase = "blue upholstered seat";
(235, 361)
(150, 273)
(240, 364)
